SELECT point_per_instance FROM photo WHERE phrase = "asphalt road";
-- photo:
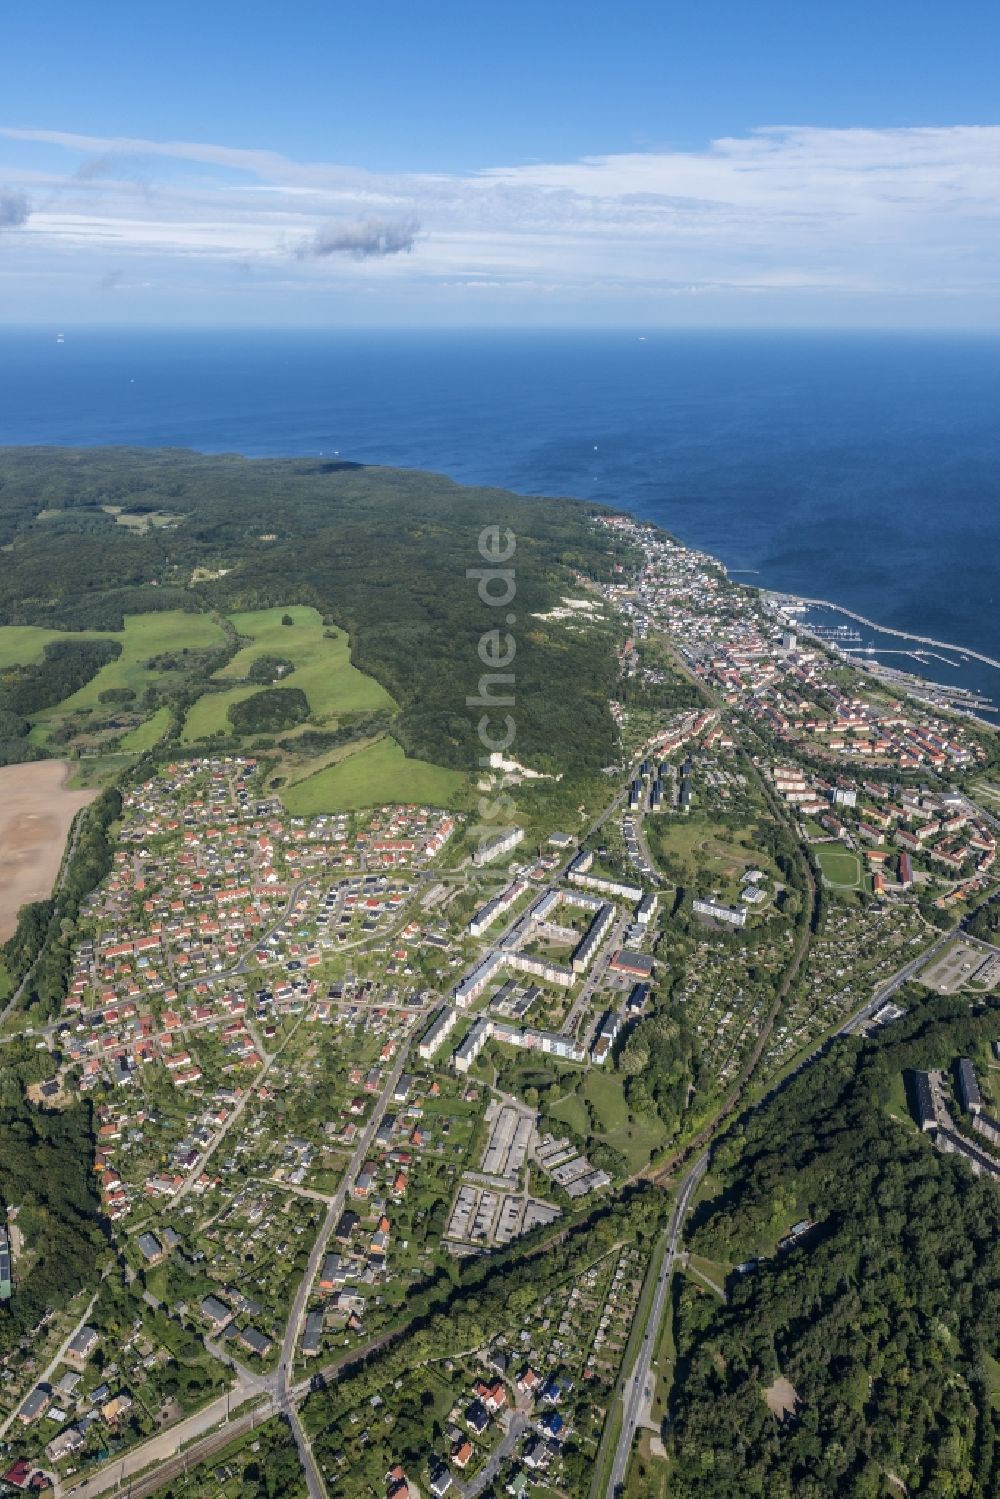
(635, 1383)
(516, 1428)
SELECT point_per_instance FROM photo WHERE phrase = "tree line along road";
(633, 1386)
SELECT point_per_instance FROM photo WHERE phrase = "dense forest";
(45, 1173)
(985, 920)
(884, 1317)
(385, 554)
(65, 666)
(270, 711)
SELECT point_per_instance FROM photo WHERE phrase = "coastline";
(913, 683)
(944, 645)
(939, 696)
(715, 438)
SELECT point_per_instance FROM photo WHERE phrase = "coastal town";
(334, 1059)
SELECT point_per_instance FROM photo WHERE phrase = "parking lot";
(961, 963)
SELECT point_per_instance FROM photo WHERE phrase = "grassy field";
(897, 1102)
(991, 1376)
(142, 521)
(648, 1476)
(380, 773)
(665, 1359)
(100, 770)
(21, 645)
(635, 1138)
(573, 1113)
(144, 635)
(209, 715)
(323, 669)
(604, 1093)
(702, 845)
(137, 741)
(717, 1271)
(840, 866)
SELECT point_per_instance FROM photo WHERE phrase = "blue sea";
(859, 468)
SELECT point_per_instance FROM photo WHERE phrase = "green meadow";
(144, 635)
(379, 773)
(321, 668)
(148, 734)
(22, 645)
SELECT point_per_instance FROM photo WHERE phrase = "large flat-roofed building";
(497, 846)
(469, 989)
(469, 1048)
(6, 1283)
(646, 909)
(588, 945)
(541, 968)
(617, 889)
(551, 1042)
(605, 1038)
(440, 1028)
(718, 911)
(495, 908)
(923, 1101)
(969, 1095)
(635, 964)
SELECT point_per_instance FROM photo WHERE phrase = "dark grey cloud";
(14, 209)
(111, 279)
(365, 239)
(121, 165)
(107, 168)
(97, 166)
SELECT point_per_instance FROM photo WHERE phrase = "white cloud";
(876, 214)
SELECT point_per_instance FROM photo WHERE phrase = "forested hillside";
(884, 1319)
(47, 1183)
(92, 535)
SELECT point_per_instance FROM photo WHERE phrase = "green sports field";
(840, 866)
(209, 715)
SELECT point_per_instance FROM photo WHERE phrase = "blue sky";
(755, 163)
